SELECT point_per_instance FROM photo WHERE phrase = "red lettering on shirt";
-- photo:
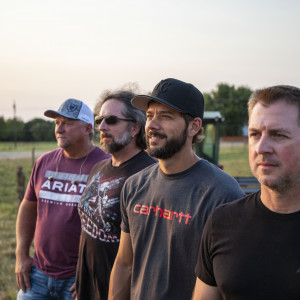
(162, 213)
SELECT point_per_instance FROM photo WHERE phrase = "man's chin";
(62, 145)
(272, 182)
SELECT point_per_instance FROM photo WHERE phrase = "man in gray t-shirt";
(165, 206)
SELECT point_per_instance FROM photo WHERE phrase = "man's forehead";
(64, 119)
(277, 116)
(154, 105)
(112, 105)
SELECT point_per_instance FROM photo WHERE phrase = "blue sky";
(52, 50)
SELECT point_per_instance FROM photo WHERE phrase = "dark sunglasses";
(110, 120)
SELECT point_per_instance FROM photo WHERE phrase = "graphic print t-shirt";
(99, 210)
(99, 206)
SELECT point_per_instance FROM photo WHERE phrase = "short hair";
(270, 95)
(91, 135)
(199, 137)
(130, 112)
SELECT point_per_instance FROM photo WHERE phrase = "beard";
(171, 147)
(63, 143)
(280, 184)
(116, 144)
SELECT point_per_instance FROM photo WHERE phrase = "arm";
(120, 279)
(24, 232)
(203, 291)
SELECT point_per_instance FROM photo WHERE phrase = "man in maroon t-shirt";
(48, 211)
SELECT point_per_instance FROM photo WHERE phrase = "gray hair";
(129, 112)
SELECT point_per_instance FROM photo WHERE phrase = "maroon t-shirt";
(57, 232)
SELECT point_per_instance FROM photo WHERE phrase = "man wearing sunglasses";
(165, 206)
(122, 134)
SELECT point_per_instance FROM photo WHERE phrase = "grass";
(27, 146)
(8, 213)
(234, 157)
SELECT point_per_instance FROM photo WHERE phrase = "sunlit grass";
(234, 157)
(27, 146)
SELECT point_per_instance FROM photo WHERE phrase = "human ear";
(194, 126)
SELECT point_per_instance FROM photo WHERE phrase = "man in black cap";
(165, 206)
(48, 213)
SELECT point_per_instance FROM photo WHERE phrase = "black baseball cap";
(174, 93)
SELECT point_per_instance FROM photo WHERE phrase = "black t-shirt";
(99, 210)
(250, 252)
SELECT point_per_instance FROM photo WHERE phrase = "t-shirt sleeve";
(204, 267)
(123, 208)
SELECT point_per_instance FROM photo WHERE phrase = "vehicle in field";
(210, 146)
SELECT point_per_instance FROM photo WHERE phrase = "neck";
(125, 154)
(79, 152)
(179, 162)
(285, 203)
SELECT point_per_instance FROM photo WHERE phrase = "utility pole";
(15, 124)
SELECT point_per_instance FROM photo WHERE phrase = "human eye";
(278, 135)
(149, 116)
(254, 134)
(166, 116)
(68, 123)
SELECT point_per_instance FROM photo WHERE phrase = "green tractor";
(209, 148)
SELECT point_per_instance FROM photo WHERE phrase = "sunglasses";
(110, 120)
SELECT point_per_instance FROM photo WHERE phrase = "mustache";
(152, 133)
(267, 161)
(103, 135)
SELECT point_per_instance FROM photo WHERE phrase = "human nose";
(59, 128)
(264, 145)
(102, 125)
(153, 122)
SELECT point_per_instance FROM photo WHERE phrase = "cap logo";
(72, 107)
(163, 86)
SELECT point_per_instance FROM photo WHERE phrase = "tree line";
(35, 130)
(231, 101)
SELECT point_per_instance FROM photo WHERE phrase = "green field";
(24, 147)
(234, 158)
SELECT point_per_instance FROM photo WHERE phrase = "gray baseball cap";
(73, 109)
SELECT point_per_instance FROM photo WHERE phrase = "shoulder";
(99, 155)
(50, 155)
(220, 180)
(145, 174)
(235, 208)
(143, 156)
(101, 164)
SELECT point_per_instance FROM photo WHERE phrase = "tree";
(3, 130)
(41, 130)
(15, 126)
(232, 103)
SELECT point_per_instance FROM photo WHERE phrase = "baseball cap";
(73, 109)
(174, 93)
